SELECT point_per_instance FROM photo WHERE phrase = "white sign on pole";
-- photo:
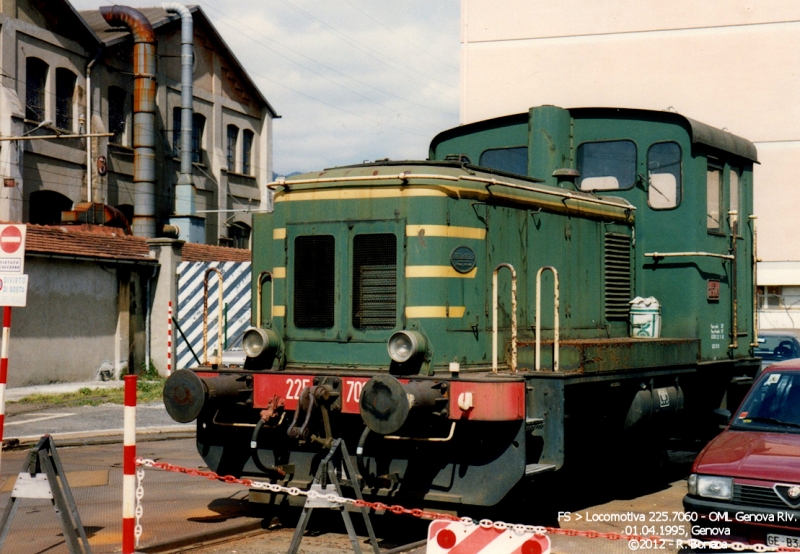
(13, 281)
(13, 290)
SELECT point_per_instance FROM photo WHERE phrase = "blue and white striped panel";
(236, 294)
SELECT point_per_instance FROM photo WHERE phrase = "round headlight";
(404, 345)
(255, 341)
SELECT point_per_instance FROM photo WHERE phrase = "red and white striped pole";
(4, 369)
(169, 339)
(129, 468)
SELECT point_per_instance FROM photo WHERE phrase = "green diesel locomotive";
(544, 280)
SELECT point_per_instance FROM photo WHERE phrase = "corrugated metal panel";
(236, 294)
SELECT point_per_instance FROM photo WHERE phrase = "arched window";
(46, 207)
(35, 82)
(65, 89)
(127, 211)
(233, 135)
(116, 114)
(247, 152)
(239, 235)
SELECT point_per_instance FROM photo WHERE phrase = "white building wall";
(68, 329)
(734, 64)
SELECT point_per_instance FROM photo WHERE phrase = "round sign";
(463, 259)
(10, 239)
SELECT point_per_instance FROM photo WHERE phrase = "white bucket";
(645, 318)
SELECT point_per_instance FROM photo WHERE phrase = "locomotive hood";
(456, 179)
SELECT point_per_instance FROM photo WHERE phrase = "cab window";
(664, 176)
(607, 165)
(510, 160)
(734, 203)
(714, 199)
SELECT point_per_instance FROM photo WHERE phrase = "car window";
(774, 401)
(777, 347)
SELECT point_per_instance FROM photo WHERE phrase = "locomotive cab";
(461, 322)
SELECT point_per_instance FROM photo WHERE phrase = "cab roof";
(701, 133)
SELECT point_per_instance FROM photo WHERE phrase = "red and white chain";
(137, 530)
(416, 512)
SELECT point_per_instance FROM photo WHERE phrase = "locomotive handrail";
(752, 219)
(322, 180)
(733, 217)
(688, 254)
(539, 317)
(205, 314)
(513, 317)
(585, 197)
(555, 192)
(448, 438)
(261, 281)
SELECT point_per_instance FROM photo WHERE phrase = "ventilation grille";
(375, 281)
(314, 281)
(617, 275)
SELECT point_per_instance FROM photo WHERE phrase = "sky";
(352, 80)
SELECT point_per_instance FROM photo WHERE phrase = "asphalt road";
(603, 500)
(183, 513)
(28, 422)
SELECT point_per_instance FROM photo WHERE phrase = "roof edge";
(722, 140)
(701, 133)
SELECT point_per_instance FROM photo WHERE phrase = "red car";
(745, 485)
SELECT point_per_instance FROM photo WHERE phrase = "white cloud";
(353, 80)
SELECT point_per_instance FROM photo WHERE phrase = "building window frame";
(117, 98)
(36, 75)
(247, 151)
(198, 129)
(239, 235)
(232, 136)
(66, 80)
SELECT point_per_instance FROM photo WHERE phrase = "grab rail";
(513, 317)
(539, 317)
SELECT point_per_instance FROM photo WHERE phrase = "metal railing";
(538, 366)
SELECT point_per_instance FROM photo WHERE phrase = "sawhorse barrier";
(327, 480)
(43, 477)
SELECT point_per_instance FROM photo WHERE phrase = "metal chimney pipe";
(191, 227)
(184, 192)
(144, 114)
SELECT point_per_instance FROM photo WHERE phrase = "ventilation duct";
(144, 114)
(192, 228)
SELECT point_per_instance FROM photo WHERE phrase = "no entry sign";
(12, 249)
(11, 239)
(13, 282)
